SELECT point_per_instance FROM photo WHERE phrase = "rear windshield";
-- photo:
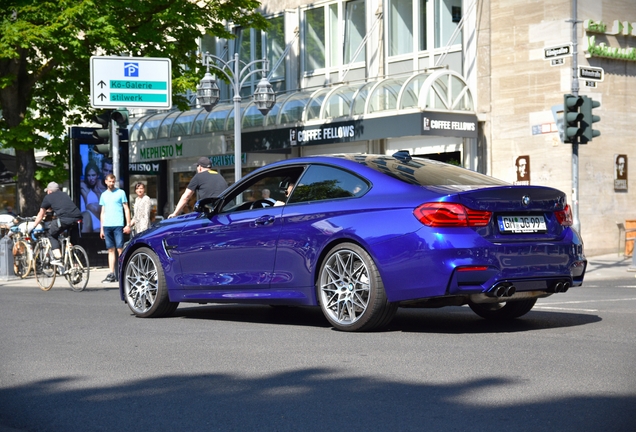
(424, 172)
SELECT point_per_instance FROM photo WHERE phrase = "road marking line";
(625, 286)
(565, 309)
(591, 301)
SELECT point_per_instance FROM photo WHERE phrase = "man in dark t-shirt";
(67, 214)
(206, 184)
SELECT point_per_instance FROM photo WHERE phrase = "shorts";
(114, 237)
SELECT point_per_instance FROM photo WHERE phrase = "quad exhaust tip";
(502, 290)
(506, 289)
(560, 287)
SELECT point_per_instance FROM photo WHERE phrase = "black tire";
(21, 259)
(44, 271)
(350, 290)
(77, 269)
(145, 287)
(503, 311)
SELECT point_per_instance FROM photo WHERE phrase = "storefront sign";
(456, 125)
(618, 27)
(602, 50)
(403, 125)
(625, 28)
(323, 134)
(161, 152)
(144, 168)
(226, 160)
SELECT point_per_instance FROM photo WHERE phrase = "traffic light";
(120, 116)
(572, 117)
(103, 134)
(589, 119)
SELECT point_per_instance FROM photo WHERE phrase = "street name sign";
(590, 73)
(557, 51)
(136, 82)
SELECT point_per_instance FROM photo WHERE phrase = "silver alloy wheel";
(344, 287)
(141, 283)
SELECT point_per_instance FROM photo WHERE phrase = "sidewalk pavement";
(610, 266)
(95, 278)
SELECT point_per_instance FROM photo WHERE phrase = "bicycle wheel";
(44, 271)
(21, 259)
(77, 268)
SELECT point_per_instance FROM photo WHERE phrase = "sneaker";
(58, 262)
(110, 277)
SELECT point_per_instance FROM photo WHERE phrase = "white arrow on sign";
(137, 82)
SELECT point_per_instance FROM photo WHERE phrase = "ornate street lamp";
(208, 93)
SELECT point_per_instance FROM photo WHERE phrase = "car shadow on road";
(305, 399)
(448, 320)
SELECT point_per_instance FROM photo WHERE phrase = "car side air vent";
(402, 155)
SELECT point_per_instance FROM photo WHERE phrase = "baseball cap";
(53, 187)
(204, 162)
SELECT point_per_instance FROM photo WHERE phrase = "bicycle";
(22, 249)
(74, 257)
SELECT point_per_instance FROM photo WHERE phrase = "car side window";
(260, 192)
(322, 182)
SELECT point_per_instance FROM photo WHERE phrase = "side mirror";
(206, 205)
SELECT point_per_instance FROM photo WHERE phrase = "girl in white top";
(141, 211)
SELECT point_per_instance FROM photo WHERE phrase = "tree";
(45, 50)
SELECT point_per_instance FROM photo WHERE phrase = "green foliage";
(45, 50)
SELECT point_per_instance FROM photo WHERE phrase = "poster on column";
(620, 173)
(522, 169)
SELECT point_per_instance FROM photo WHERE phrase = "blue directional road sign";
(136, 82)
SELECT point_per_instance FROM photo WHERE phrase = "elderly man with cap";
(206, 183)
(67, 214)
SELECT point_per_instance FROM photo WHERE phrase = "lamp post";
(208, 93)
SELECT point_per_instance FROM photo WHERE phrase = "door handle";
(264, 220)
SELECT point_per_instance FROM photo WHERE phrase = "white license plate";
(521, 224)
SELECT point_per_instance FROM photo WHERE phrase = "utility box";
(6, 259)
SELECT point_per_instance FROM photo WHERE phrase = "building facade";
(465, 82)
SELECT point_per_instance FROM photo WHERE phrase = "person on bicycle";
(67, 215)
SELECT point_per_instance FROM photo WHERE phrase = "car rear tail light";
(472, 268)
(440, 214)
(564, 217)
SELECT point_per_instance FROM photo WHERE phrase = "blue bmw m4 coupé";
(359, 236)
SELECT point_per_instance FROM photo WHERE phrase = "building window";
(423, 46)
(408, 24)
(275, 43)
(447, 17)
(401, 27)
(332, 35)
(314, 38)
(355, 30)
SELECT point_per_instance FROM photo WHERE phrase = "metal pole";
(237, 120)
(114, 139)
(575, 140)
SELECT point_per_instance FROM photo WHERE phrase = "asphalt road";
(81, 362)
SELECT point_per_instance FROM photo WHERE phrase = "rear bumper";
(463, 266)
